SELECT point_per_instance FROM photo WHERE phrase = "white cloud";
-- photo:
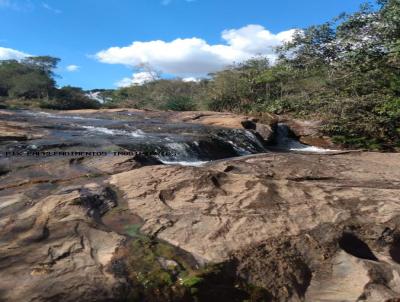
(255, 39)
(137, 79)
(190, 79)
(72, 68)
(12, 54)
(194, 57)
(49, 8)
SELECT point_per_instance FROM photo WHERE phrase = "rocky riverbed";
(200, 207)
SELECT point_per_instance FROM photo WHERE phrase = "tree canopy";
(34, 78)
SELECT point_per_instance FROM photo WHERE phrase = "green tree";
(68, 98)
(32, 77)
(238, 88)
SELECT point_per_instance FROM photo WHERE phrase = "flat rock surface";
(17, 131)
(297, 225)
(304, 227)
(309, 203)
(51, 250)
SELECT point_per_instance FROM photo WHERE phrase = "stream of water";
(170, 142)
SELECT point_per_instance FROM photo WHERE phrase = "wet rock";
(4, 167)
(230, 120)
(17, 131)
(167, 264)
(97, 201)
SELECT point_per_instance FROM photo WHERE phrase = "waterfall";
(285, 141)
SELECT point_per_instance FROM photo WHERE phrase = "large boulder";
(230, 120)
(309, 132)
(302, 227)
(51, 248)
(297, 225)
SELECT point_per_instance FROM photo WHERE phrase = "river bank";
(212, 207)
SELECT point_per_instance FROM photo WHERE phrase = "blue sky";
(194, 36)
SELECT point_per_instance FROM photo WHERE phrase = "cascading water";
(225, 143)
(181, 153)
(157, 137)
(284, 141)
(169, 142)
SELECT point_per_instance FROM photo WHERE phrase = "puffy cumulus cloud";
(194, 57)
(12, 54)
(179, 57)
(139, 78)
(255, 39)
(72, 68)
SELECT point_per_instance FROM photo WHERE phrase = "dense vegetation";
(32, 82)
(345, 72)
(160, 94)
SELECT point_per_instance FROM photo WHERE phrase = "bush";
(179, 104)
(70, 98)
(366, 122)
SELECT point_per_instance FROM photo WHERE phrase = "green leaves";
(180, 104)
(161, 94)
(30, 78)
(347, 73)
(68, 98)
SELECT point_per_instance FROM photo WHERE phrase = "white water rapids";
(171, 143)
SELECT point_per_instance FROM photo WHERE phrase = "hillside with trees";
(31, 83)
(345, 72)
